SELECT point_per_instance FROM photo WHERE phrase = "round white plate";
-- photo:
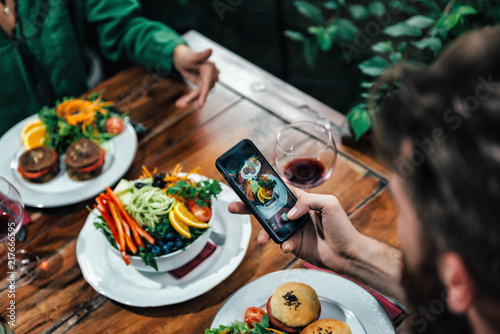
(106, 272)
(340, 299)
(62, 190)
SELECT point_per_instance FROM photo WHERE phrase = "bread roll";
(327, 326)
(295, 304)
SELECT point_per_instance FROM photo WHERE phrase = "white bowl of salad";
(159, 222)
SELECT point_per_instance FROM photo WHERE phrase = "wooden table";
(246, 103)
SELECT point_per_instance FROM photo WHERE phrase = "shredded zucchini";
(149, 204)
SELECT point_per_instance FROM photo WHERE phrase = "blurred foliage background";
(330, 49)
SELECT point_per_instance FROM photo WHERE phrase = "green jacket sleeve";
(124, 34)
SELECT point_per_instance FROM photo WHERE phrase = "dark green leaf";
(358, 12)
(465, 10)
(309, 10)
(382, 47)
(420, 21)
(448, 22)
(432, 43)
(395, 57)
(402, 29)
(325, 38)
(331, 5)
(315, 30)
(359, 120)
(402, 46)
(366, 84)
(377, 8)
(310, 52)
(346, 29)
(294, 35)
(374, 66)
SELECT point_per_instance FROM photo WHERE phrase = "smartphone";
(261, 189)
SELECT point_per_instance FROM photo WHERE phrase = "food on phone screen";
(84, 160)
(293, 306)
(39, 165)
(327, 326)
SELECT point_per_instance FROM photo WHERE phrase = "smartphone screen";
(261, 189)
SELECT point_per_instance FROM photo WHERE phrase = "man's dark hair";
(450, 114)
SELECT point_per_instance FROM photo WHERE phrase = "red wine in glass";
(304, 172)
(6, 220)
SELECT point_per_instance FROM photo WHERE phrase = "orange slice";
(30, 125)
(187, 217)
(178, 225)
(34, 137)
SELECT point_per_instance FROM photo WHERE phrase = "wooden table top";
(247, 103)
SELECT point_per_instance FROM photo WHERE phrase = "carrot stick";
(121, 234)
(132, 223)
(128, 240)
(137, 238)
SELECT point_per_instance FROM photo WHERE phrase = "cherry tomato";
(203, 213)
(114, 125)
(253, 314)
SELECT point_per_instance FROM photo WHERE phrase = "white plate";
(340, 299)
(106, 272)
(62, 190)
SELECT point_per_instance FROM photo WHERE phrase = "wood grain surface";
(247, 103)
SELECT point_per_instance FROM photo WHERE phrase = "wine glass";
(17, 268)
(305, 154)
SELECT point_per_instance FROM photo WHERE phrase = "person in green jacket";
(42, 58)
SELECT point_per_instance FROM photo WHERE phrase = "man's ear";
(459, 285)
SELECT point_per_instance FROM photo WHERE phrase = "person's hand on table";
(195, 67)
(325, 240)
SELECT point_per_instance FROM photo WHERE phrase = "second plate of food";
(340, 299)
(62, 190)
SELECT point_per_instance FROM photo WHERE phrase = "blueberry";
(166, 249)
(155, 250)
(179, 245)
(179, 238)
(160, 243)
(171, 244)
(170, 236)
(149, 246)
(139, 185)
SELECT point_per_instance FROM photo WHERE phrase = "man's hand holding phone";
(325, 240)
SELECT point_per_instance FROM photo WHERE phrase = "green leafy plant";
(376, 35)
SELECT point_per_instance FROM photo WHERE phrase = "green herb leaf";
(465, 10)
(402, 29)
(383, 47)
(331, 5)
(374, 66)
(346, 29)
(294, 35)
(432, 43)
(309, 10)
(420, 21)
(377, 8)
(358, 12)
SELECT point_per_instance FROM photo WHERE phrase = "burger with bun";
(327, 326)
(293, 306)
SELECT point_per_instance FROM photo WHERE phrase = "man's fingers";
(238, 208)
(202, 56)
(188, 98)
(262, 238)
(306, 202)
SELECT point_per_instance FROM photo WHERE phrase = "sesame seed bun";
(327, 326)
(295, 304)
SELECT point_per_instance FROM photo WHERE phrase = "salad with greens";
(72, 119)
(156, 215)
(238, 327)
